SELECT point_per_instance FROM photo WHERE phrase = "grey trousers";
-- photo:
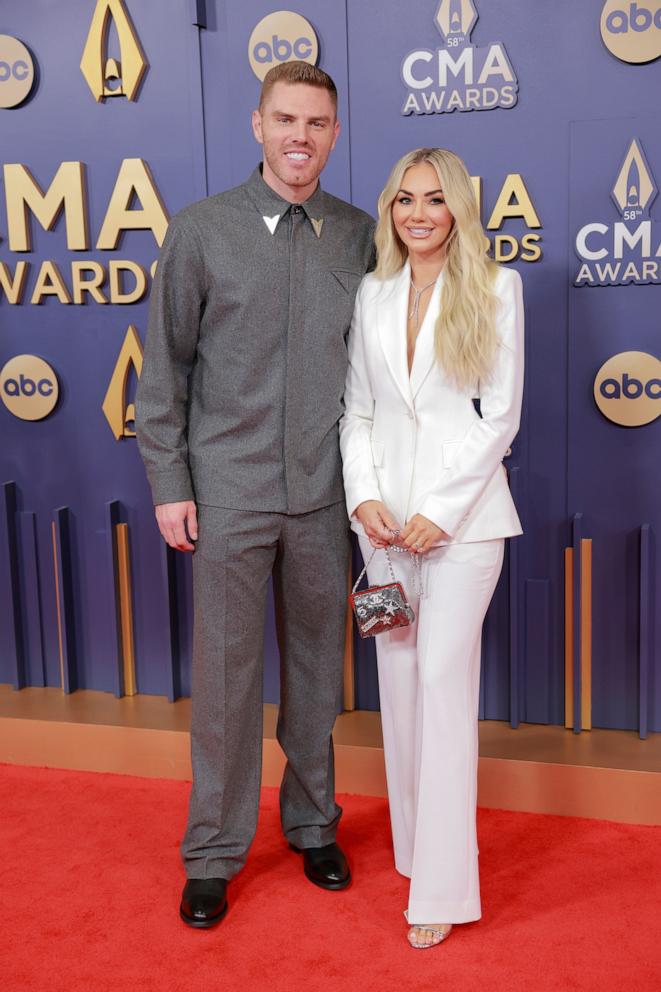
(237, 551)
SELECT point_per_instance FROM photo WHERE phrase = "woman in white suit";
(437, 325)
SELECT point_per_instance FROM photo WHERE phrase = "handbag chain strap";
(393, 547)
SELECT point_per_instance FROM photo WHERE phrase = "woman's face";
(421, 218)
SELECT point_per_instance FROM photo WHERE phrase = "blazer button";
(411, 415)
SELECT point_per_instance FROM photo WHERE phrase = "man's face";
(298, 128)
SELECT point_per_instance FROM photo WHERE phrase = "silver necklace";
(415, 310)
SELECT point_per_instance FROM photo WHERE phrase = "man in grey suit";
(237, 423)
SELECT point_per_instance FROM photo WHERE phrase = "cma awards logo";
(282, 37)
(627, 388)
(120, 413)
(628, 251)
(458, 76)
(632, 31)
(108, 76)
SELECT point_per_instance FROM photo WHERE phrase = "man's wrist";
(171, 486)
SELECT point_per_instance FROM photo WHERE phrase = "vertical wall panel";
(63, 566)
(195, 88)
(31, 600)
(646, 649)
(169, 584)
(569, 638)
(537, 651)
(517, 688)
(577, 534)
(14, 648)
(586, 634)
(113, 637)
(126, 610)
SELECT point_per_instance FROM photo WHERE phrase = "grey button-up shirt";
(244, 368)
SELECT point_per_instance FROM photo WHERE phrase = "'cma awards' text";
(136, 205)
(483, 80)
(614, 255)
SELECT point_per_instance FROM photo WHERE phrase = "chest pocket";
(348, 280)
(343, 286)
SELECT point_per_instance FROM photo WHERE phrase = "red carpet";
(91, 881)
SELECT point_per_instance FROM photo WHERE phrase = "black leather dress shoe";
(325, 866)
(203, 901)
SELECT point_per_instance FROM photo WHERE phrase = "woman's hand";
(420, 534)
(378, 522)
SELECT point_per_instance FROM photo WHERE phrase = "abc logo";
(29, 387)
(632, 30)
(16, 72)
(281, 37)
(627, 388)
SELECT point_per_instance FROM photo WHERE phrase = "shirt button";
(296, 210)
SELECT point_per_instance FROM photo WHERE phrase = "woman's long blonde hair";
(465, 332)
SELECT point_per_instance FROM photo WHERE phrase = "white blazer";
(417, 443)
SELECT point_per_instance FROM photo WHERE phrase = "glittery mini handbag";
(381, 608)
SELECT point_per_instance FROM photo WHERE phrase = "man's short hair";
(297, 72)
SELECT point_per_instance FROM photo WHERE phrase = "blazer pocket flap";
(377, 452)
(347, 279)
(450, 449)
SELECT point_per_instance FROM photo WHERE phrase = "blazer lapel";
(391, 317)
(424, 358)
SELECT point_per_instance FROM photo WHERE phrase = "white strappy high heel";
(438, 935)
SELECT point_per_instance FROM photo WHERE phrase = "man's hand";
(378, 522)
(420, 534)
(174, 519)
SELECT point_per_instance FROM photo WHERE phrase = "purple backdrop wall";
(577, 110)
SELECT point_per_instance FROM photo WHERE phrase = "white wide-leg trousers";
(429, 676)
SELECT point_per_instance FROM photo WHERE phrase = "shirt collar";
(273, 207)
